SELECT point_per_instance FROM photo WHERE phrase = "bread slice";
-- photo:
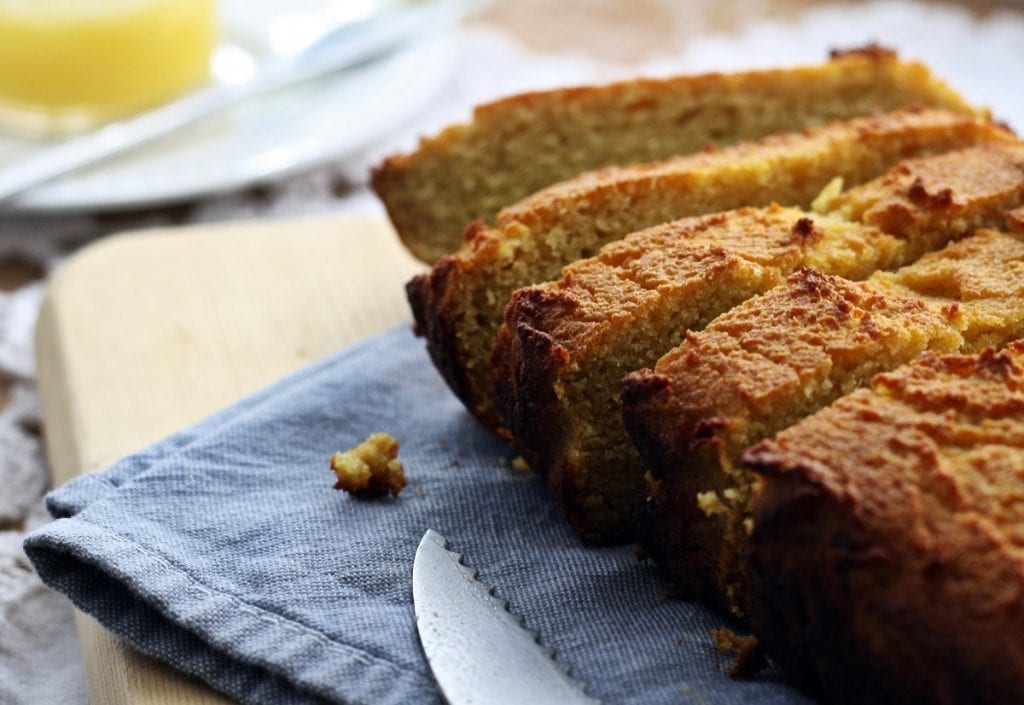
(521, 144)
(459, 305)
(565, 345)
(779, 358)
(887, 559)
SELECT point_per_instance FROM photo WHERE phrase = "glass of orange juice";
(70, 65)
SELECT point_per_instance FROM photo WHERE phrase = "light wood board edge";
(143, 333)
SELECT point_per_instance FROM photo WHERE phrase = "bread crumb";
(749, 655)
(710, 503)
(520, 465)
(725, 639)
(823, 202)
(371, 469)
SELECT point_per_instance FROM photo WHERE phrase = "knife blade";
(480, 652)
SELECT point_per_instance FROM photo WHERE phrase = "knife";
(479, 650)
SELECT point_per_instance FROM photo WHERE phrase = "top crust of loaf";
(762, 353)
(760, 81)
(969, 184)
(566, 345)
(969, 188)
(777, 358)
(761, 363)
(895, 517)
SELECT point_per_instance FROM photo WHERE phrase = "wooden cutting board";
(143, 333)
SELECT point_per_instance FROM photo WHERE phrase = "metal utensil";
(344, 47)
(479, 651)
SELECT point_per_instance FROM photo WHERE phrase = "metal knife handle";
(345, 47)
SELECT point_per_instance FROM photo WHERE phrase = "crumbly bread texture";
(925, 198)
(459, 305)
(371, 469)
(523, 143)
(887, 560)
(565, 345)
(779, 358)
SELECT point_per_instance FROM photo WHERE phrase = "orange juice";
(67, 65)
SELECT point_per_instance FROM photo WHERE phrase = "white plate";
(256, 141)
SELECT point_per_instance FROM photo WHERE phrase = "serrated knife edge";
(479, 650)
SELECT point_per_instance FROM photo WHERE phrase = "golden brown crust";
(887, 562)
(774, 360)
(461, 307)
(726, 386)
(565, 345)
(623, 308)
(619, 284)
(429, 297)
(518, 145)
(970, 188)
(977, 281)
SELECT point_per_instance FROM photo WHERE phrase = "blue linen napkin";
(224, 552)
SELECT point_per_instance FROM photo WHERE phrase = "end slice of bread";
(518, 145)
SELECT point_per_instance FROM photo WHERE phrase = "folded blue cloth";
(224, 552)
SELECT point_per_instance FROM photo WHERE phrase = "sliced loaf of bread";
(565, 345)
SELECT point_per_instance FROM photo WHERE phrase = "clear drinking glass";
(70, 65)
